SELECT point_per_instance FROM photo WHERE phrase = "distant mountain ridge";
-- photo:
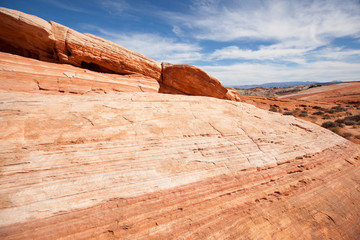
(282, 84)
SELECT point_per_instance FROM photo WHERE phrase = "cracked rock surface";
(157, 166)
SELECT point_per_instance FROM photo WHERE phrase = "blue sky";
(239, 42)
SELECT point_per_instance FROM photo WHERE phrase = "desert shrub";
(335, 130)
(286, 109)
(340, 120)
(303, 114)
(273, 109)
(326, 116)
(302, 105)
(329, 124)
(346, 135)
(357, 136)
(338, 108)
(318, 113)
(329, 111)
(355, 118)
(288, 113)
(316, 107)
(349, 122)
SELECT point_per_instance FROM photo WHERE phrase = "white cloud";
(297, 28)
(300, 24)
(255, 73)
(157, 47)
(178, 31)
(264, 53)
(336, 53)
(114, 7)
(66, 6)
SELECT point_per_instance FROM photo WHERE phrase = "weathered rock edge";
(21, 74)
(31, 36)
(191, 80)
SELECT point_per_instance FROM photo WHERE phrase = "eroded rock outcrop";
(233, 95)
(26, 35)
(31, 36)
(29, 75)
(190, 80)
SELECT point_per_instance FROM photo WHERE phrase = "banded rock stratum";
(91, 155)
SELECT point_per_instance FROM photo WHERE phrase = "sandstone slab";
(30, 36)
(190, 80)
(29, 75)
(154, 166)
(26, 35)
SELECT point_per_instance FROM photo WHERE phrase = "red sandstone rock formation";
(233, 94)
(190, 80)
(29, 75)
(154, 166)
(31, 36)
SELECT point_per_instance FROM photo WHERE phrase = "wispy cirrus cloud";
(66, 5)
(263, 53)
(250, 73)
(300, 36)
(114, 7)
(294, 23)
(336, 53)
(295, 27)
(160, 48)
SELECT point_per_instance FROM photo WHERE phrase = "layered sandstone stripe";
(190, 80)
(155, 166)
(29, 75)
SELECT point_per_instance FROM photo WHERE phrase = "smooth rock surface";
(30, 36)
(156, 166)
(26, 35)
(190, 80)
(29, 75)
